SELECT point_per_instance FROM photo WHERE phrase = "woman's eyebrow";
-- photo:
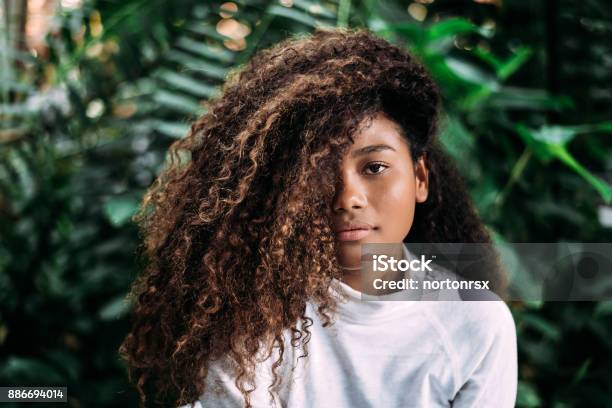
(371, 148)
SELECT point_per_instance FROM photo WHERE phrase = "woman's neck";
(353, 280)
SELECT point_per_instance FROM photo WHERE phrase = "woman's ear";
(421, 173)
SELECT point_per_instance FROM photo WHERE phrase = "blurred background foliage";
(92, 93)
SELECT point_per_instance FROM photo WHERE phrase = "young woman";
(249, 296)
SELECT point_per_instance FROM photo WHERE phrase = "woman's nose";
(350, 195)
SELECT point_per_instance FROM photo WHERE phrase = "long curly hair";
(237, 232)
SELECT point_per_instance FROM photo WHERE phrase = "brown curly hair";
(237, 228)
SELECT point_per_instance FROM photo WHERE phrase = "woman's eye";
(375, 168)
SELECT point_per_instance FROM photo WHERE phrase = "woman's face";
(375, 201)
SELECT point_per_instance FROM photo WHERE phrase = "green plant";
(85, 128)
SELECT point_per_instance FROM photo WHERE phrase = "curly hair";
(237, 232)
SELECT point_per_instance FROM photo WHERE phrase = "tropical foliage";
(86, 122)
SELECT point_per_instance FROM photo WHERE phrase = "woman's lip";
(352, 235)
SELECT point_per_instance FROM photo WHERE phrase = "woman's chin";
(352, 262)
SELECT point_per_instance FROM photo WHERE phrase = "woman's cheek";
(396, 209)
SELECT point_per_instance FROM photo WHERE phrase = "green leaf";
(197, 64)
(458, 141)
(172, 129)
(541, 150)
(314, 8)
(511, 97)
(114, 309)
(511, 65)
(504, 69)
(17, 55)
(175, 130)
(554, 135)
(593, 128)
(187, 84)
(543, 326)
(17, 109)
(413, 32)
(546, 207)
(471, 73)
(534, 304)
(582, 371)
(16, 86)
(30, 370)
(296, 15)
(201, 49)
(177, 102)
(484, 84)
(204, 28)
(603, 309)
(119, 210)
(25, 178)
(522, 281)
(68, 361)
(527, 395)
(550, 142)
(378, 25)
(343, 13)
(453, 27)
(603, 188)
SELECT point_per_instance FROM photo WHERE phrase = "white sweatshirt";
(390, 354)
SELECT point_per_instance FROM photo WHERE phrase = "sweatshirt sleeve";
(488, 367)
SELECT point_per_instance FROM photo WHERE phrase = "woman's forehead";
(378, 129)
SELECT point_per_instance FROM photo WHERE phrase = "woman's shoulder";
(474, 333)
(474, 318)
